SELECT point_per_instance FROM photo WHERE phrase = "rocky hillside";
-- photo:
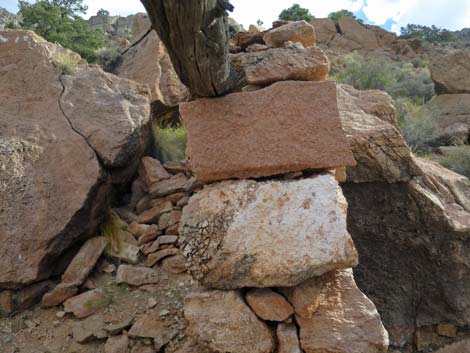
(7, 18)
(301, 221)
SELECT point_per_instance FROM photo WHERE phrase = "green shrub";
(335, 16)
(417, 124)
(456, 158)
(397, 79)
(170, 143)
(66, 61)
(431, 34)
(296, 13)
(109, 58)
(59, 21)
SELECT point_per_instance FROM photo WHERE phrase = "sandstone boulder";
(50, 157)
(289, 126)
(288, 341)
(292, 62)
(148, 63)
(346, 321)
(261, 234)
(369, 121)
(352, 30)
(450, 71)
(298, 31)
(221, 321)
(325, 30)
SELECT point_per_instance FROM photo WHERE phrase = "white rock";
(266, 234)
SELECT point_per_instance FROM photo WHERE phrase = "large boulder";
(352, 30)
(291, 62)
(299, 31)
(345, 320)
(286, 127)
(451, 115)
(60, 154)
(245, 233)
(369, 121)
(325, 30)
(148, 62)
(450, 71)
(222, 322)
(417, 214)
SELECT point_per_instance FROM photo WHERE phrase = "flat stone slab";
(289, 126)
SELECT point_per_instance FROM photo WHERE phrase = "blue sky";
(390, 14)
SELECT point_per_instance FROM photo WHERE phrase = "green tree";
(58, 21)
(431, 34)
(295, 13)
(335, 16)
(102, 12)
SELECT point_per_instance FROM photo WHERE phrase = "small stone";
(288, 341)
(173, 230)
(177, 183)
(183, 201)
(154, 258)
(147, 327)
(58, 295)
(117, 328)
(148, 237)
(298, 31)
(174, 264)
(29, 324)
(151, 171)
(84, 261)
(86, 304)
(169, 219)
(164, 312)
(151, 302)
(269, 305)
(89, 329)
(167, 239)
(447, 330)
(175, 167)
(109, 268)
(117, 344)
(174, 198)
(136, 276)
(153, 214)
(60, 314)
(150, 248)
(6, 303)
(125, 214)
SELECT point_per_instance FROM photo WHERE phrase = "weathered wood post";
(196, 35)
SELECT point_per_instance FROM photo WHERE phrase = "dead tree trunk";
(196, 34)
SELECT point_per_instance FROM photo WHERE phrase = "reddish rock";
(148, 327)
(117, 344)
(136, 276)
(346, 321)
(58, 295)
(177, 183)
(154, 258)
(298, 31)
(89, 329)
(174, 264)
(29, 295)
(245, 39)
(325, 29)
(447, 330)
(269, 305)
(286, 127)
(86, 304)
(288, 341)
(169, 219)
(152, 215)
(222, 322)
(151, 171)
(85, 260)
(6, 303)
(293, 62)
(116, 328)
(305, 297)
(148, 237)
(140, 229)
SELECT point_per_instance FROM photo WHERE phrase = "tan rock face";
(354, 31)
(325, 29)
(221, 321)
(49, 157)
(369, 121)
(450, 71)
(346, 321)
(299, 31)
(266, 234)
(293, 62)
(148, 63)
(269, 305)
(295, 132)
